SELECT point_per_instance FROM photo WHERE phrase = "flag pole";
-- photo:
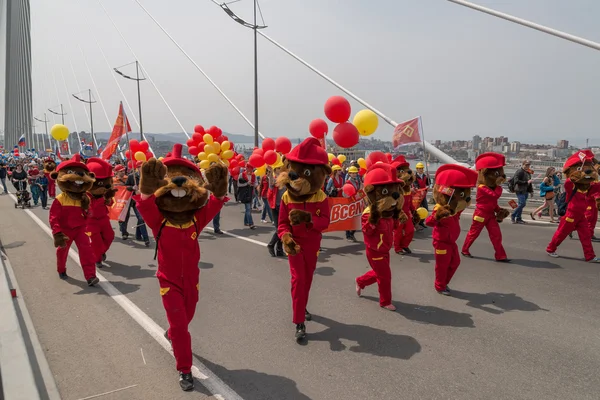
(128, 145)
(424, 148)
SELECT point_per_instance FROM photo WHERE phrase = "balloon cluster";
(16, 152)
(138, 151)
(59, 132)
(269, 154)
(375, 157)
(345, 134)
(210, 146)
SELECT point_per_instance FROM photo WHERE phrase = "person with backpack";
(521, 184)
(547, 192)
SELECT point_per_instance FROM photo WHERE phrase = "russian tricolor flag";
(22, 141)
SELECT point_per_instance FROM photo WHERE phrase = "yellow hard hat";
(278, 164)
(420, 165)
(336, 168)
(352, 170)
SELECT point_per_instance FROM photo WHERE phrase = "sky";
(464, 72)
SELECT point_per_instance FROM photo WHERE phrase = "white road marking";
(105, 393)
(143, 358)
(240, 237)
(213, 383)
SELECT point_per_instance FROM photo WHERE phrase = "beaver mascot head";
(179, 187)
(490, 170)
(404, 173)
(581, 169)
(452, 189)
(49, 165)
(74, 179)
(103, 186)
(384, 193)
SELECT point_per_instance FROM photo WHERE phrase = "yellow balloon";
(225, 146)
(213, 157)
(342, 158)
(140, 156)
(227, 154)
(204, 164)
(216, 147)
(260, 171)
(59, 132)
(331, 156)
(225, 162)
(366, 122)
(209, 149)
(422, 212)
(202, 156)
(362, 163)
(208, 139)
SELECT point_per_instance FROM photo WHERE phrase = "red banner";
(345, 212)
(119, 209)
(65, 147)
(117, 133)
(407, 132)
(418, 197)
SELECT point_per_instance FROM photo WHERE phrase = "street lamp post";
(137, 79)
(45, 121)
(90, 102)
(61, 113)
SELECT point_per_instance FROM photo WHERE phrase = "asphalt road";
(526, 330)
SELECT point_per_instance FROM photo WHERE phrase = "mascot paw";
(152, 176)
(298, 217)
(291, 248)
(402, 218)
(60, 239)
(216, 177)
(443, 212)
(501, 214)
(85, 202)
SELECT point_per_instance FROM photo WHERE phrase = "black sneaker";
(147, 243)
(219, 232)
(280, 253)
(271, 250)
(186, 381)
(104, 257)
(595, 239)
(63, 276)
(99, 265)
(445, 292)
(300, 332)
(520, 221)
(125, 236)
(307, 315)
(93, 281)
(407, 250)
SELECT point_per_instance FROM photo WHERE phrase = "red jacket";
(378, 238)
(487, 199)
(408, 206)
(579, 202)
(305, 234)
(178, 248)
(446, 230)
(98, 209)
(66, 214)
(264, 187)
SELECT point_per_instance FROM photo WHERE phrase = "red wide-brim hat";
(579, 157)
(309, 152)
(175, 158)
(381, 174)
(99, 167)
(490, 160)
(452, 175)
(74, 162)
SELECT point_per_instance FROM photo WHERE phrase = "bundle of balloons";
(138, 151)
(269, 154)
(210, 146)
(16, 152)
(345, 134)
(59, 132)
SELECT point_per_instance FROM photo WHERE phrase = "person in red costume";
(452, 193)
(49, 167)
(378, 221)
(488, 213)
(101, 199)
(591, 213)
(581, 188)
(68, 217)
(303, 215)
(176, 204)
(405, 232)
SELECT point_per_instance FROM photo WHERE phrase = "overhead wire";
(71, 108)
(85, 105)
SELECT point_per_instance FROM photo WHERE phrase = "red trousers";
(592, 218)
(302, 269)
(447, 261)
(568, 224)
(380, 273)
(86, 256)
(51, 188)
(102, 236)
(488, 221)
(179, 300)
(403, 235)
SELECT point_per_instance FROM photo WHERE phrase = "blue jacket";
(549, 188)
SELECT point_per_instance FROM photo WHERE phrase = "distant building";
(562, 144)
(476, 142)
(437, 143)
(515, 147)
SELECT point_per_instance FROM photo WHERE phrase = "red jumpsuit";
(591, 213)
(575, 220)
(51, 185)
(66, 216)
(485, 217)
(178, 273)
(404, 233)
(99, 228)
(378, 241)
(445, 234)
(308, 237)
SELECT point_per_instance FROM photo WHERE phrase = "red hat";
(48, 159)
(75, 161)
(490, 160)
(309, 152)
(453, 175)
(175, 159)
(381, 174)
(119, 168)
(399, 162)
(99, 167)
(34, 172)
(579, 157)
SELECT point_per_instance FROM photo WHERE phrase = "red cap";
(381, 174)
(101, 168)
(75, 161)
(175, 158)
(399, 162)
(490, 160)
(309, 152)
(48, 160)
(453, 175)
(579, 157)
(34, 172)
(119, 168)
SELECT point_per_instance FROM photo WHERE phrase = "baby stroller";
(23, 196)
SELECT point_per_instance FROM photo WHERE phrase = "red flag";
(65, 147)
(117, 134)
(407, 132)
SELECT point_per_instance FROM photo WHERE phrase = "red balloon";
(239, 157)
(375, 157)
(131, 164)
(270, 157)
(349, 189)
(346, 135)
(214, 131)
(268, 144)
(198, 137)
(242, 164)
(256, 160)
(336, 161)
(134, 146)
(200, 146)
(225, 137)
(149, 155)
(233, 163)
(231, 143)
(220, 139)
(258, 151)
(337, 109)
(144, 146)
(235, 171)
(128, 155)
(362, 172)
(193, 151)
(283, 145)
(389, 157)
(190, 142)
(199, 129)
(318, 128)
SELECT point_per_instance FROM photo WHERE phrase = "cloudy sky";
(464, 72)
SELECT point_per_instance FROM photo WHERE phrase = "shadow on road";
(127, 271)
(425, 258)
(254, 385)
(247, 232)
(325, 271)
(525, 263)
(430, 314)
(14, 245)
(497, 303)
(205, 265)
(123, 287)
(351, 249)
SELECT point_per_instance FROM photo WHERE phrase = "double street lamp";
(45, 121)
(61, 113)
(138, 80)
